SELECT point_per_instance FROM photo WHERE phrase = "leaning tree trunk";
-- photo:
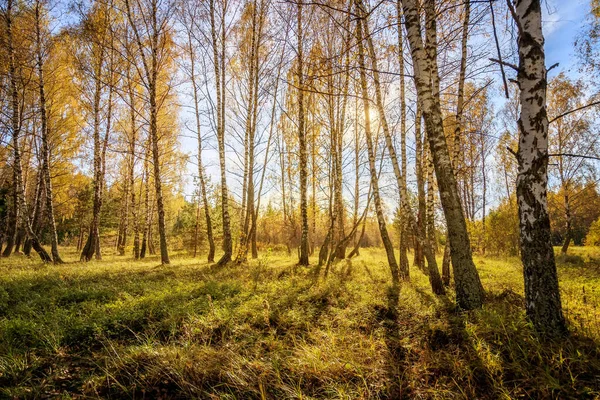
(21, 205)
(542, 295)
(469, 292)
(387, 243)
(381, 112)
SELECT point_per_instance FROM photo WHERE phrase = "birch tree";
(469, 292)
(542, 295)
(387, 244)
(152, 31)
(303, 154)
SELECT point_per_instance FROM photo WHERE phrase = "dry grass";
(124, 329)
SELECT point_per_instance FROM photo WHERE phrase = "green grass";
(125, 329)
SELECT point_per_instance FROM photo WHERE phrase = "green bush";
(593, 236)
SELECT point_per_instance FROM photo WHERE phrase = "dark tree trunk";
(446, 265)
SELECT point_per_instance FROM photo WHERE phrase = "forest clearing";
(272, 329)
(272, 199)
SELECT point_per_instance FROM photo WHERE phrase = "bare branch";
(574, 155)
(595, 103)
(513, 66)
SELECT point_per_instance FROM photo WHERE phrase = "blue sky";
(563, 21)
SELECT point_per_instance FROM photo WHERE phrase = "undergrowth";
(121, 328)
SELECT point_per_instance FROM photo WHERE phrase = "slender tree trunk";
(45, 150)
(267, 153)
(469, 292)
(131, 171)
(164, 252)
(109, 115)
(324, 252)
(93, 240)
(357, 174)
(19, 241)
(542, 295)
(11, 232)
(328, 243)
(252, 210)
(147, 213)
(421, 204)
(337, 153)
(404, 272)
(460, 95)
(151, 246)
(252, 114)
(282, 163)
(162, 229)
(446, 265)
(356, 250)
(80, 239)
(403, 169)
(202, 180)
(20, 205)
(387, 244)
(37, 210)
(219, 64)
(313, 179)
(456, 143)
(151, 70)
(122, 237)
(569, 224)
(484, 199)
(303, 256)
(430, 222)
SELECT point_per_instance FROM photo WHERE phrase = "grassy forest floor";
(124, 329)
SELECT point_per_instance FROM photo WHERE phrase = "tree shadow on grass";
(395, 363)
(493, 352)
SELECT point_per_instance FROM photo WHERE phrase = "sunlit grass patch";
(127, 329)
